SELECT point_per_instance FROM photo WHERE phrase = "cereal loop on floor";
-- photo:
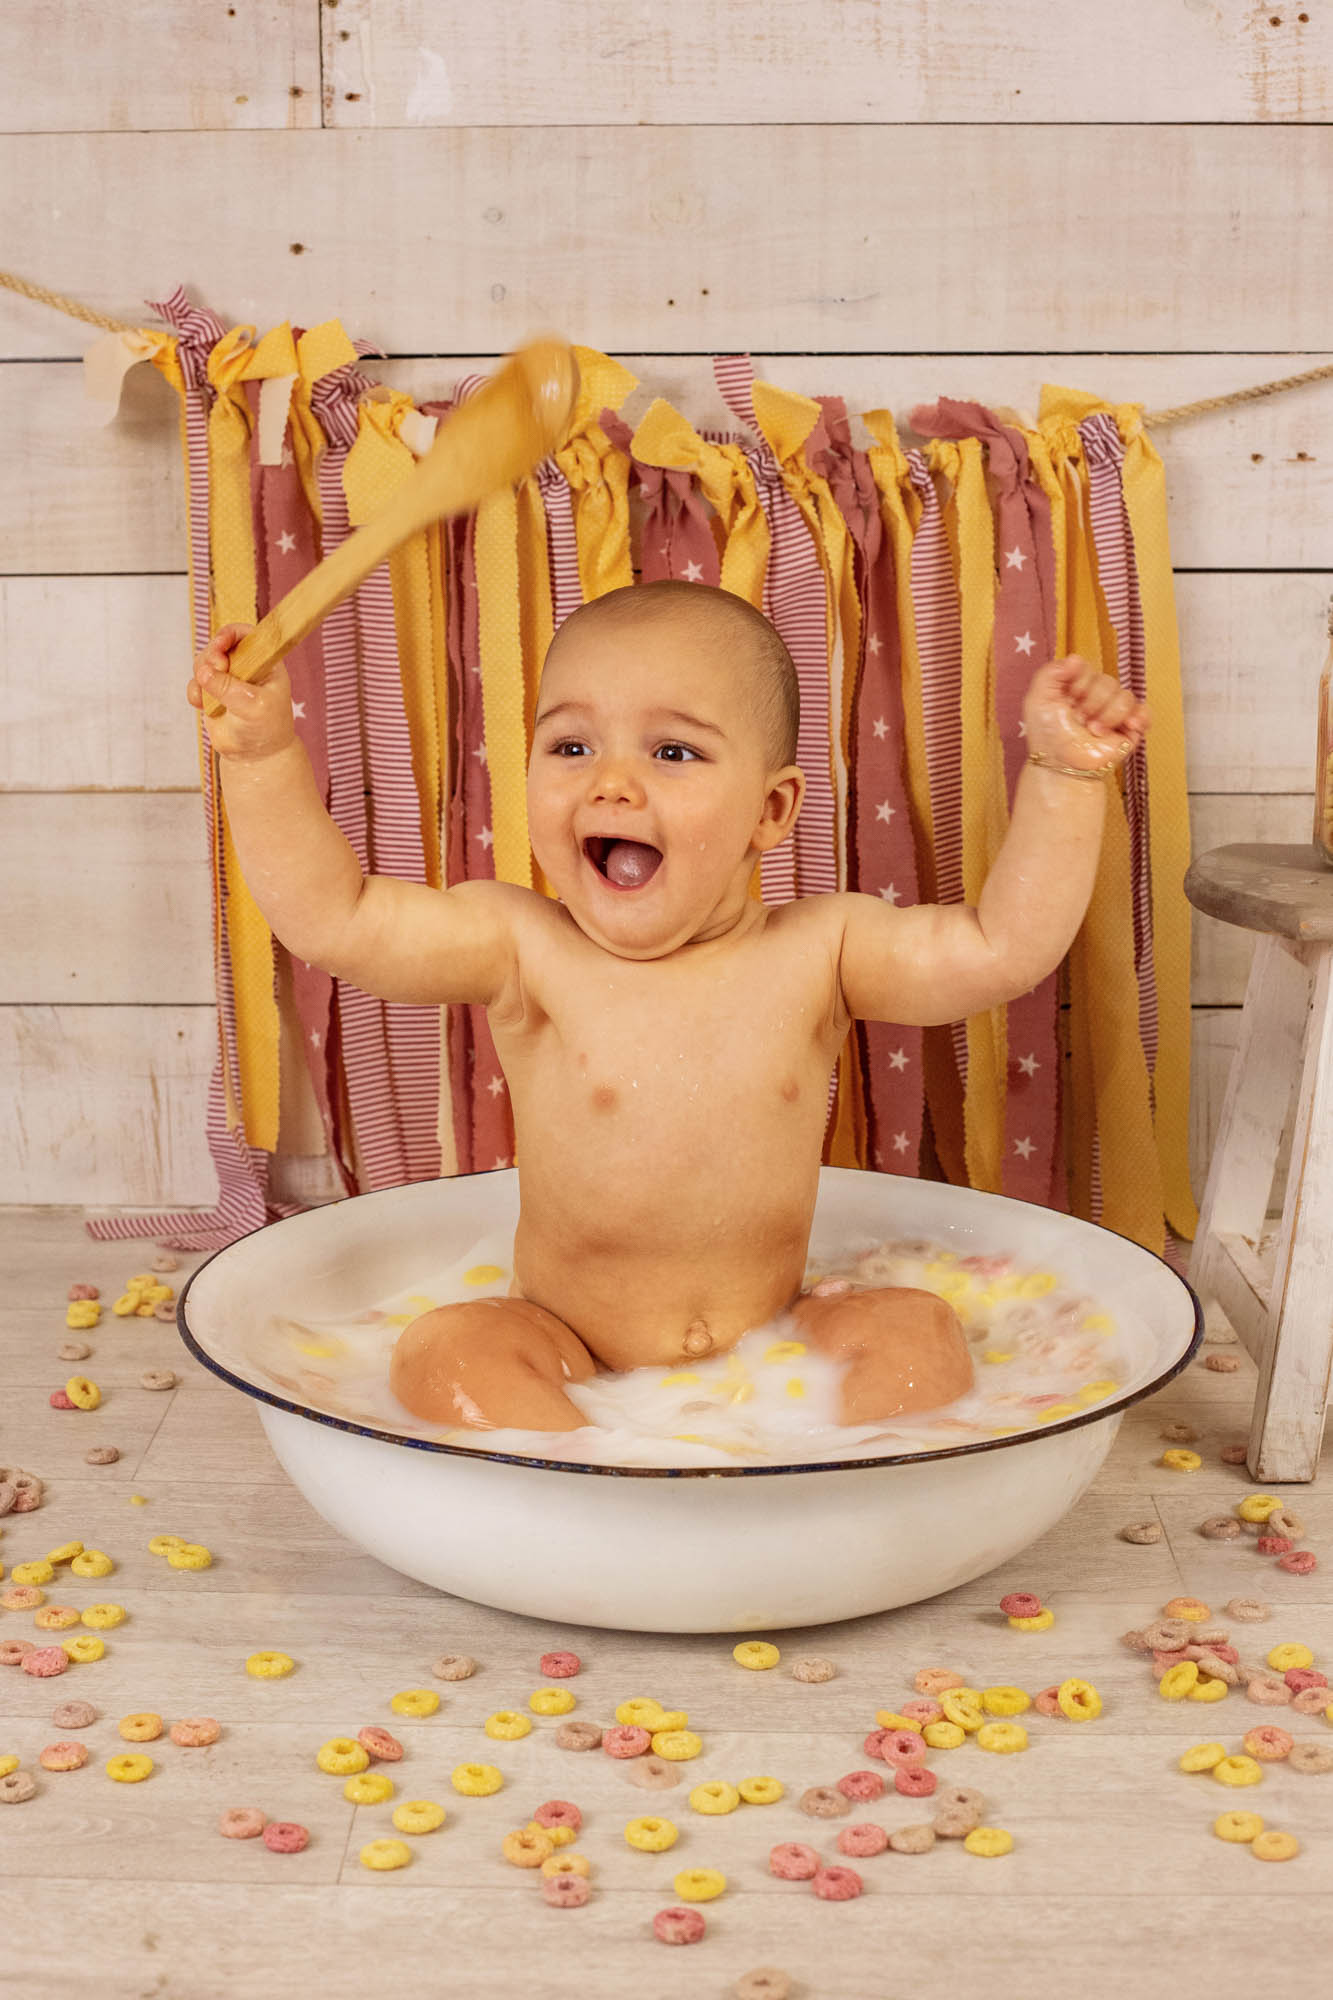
(756, 1654)
(813, 1669)
(1247, 1610)
(424, 1701)
(16, 1787)
(63, 1757)
(678, 1746)
(837, 1885)
(506, 1725)
(1181, 1461)
(73, 1715)
(454, 1667)
(1269, 1744)
(937, 1680)
(1238, 1771)
(558, 1666)
(1002, 1737)
(103, 1617)
(760, 1791)
(129, 1768)
(988, 1840)
(527, 1847)
(285, 1836)
(1312, 1758)
(341, 1756)
(142, 1727)
(1202, 1757)
(475, 1781)
(1239, 1827)
(191, 1555)
(699, 1885)
(43, 1661)
(579, 1736)
(269, 1666)
(651, 1836)
(766, 1982)
(551, 1701)
(55, 1617)
(380, 1744)
(241, 1823)
(678, 1926)
(195, 1732)
(1274, 1846)
(715, 1797)
(93, 1562)
(418, 1816)
(1079, 1700)
(1041, 1623)
(943, 1735)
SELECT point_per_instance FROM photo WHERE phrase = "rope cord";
(1154, 420)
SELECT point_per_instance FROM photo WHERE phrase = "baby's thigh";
(490, 1364)
(907, 1348)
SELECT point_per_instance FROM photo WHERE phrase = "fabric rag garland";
(916, 591)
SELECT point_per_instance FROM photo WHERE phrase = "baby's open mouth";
(625, 864)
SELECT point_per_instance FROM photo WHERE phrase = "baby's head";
(667, 716)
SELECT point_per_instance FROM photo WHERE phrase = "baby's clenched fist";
(257, 719)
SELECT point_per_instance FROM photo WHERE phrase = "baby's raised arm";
(398, 940)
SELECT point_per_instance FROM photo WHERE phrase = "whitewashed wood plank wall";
(891, 202)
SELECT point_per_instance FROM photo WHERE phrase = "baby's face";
(610, 758)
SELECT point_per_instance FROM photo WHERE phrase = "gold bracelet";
(1049, 764)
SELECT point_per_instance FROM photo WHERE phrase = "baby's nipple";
(698, 1340)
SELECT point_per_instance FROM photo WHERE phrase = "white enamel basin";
(726, 1549)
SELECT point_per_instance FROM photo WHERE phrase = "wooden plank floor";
(1114, 1867)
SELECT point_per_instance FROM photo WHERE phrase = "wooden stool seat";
(1284, 1317)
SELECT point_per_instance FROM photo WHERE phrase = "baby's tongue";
(629, 863)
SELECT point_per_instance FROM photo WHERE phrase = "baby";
(668, 1039)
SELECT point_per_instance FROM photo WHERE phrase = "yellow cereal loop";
(269, 1666)
(385, 1854)
(1005, 1700)
(1098, 1323)
(84, 1393)
(33, 1572)
(676, 1745)
(143, 1727)
(425, 1701)
(1176, 1682)
(1041, 1623)
(566, 1864)
(715, 1797)
(506, 1725)
(483, 1274)
(85, 1649)
(795, 1388)
(651, 1835)
(368, 1788)
(785, 1350)
(1207, 1688)
(754, 1653)
(1181, 1461)
(65, 1553)
(127, 1303)
(760, 1791)
(1257, 1506)
(1096, 1392)
(527, 1847)
(699, 1885)
(418, 1816)
(162, 1545)
(1203, 1757)
(551, 1701)
(103, 1617)
(130, 1768)
(475, 1781)
(963, 1706)
(1242, 1827)
(1238, 1771)
(1002, 1737)
(996, 1354)
(1057, 1412)
(988, 1840)
(138, 1500)
(888, 1718)
(670, 1718)
(1037, 1286)
(1283, 1658)
(641, 1712)
(190, 1555)
(944, 1735)
(1080, 1701)
(1275, 1846)
(682, 1381)
(9, 1762)
(342, 1755)
(80, 1314)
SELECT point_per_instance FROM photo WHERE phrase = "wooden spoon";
(491, 441)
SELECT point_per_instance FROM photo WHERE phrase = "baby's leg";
(491, 1364)
(907, 1349)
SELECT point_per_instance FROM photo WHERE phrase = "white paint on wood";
(634, 62)
(702, 238)
(83, 66)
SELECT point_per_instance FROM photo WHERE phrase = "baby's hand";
(1082, 717)
(259, 720)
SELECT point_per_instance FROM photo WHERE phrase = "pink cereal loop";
(679, 1926)
(1269, 1744)
(13, 1651)
(914, 1781)
(44, 1661)
(1299, 1563)
(861, 1785)
(1021, 1604)
(1310, 1701)
(559, 1812)
(937, 1680)
(1300, 1678)
(241, 1823)
(565, 1892)
(865, 1838)
(63, 1757)
(623, 1739)
(285, 1836)
(1048, 1701)
(837, 1885)
(194, 1732)
(379, 1743)
(793, 1861)
(559, 1666)
(903, 1746)
(922, 1711)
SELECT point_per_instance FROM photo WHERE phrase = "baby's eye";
(567, 744)
(679, 746)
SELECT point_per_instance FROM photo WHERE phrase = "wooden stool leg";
(1240, 1174)
(1292, 1394)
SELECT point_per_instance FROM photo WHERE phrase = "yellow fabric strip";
(500, 645)
(231, 536)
